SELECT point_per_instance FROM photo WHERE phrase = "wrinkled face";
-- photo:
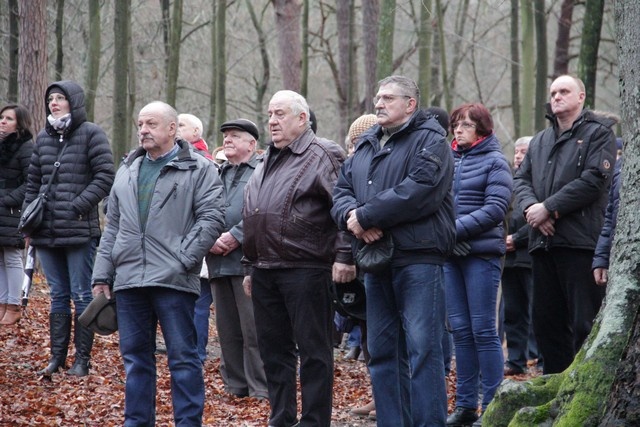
(8, 122)
(393, 108)
(238, 145)
(284, 125)
(518, 154)
(566, 97)
(155, 132)
(187, 130)
(464, 131)
(58, 105)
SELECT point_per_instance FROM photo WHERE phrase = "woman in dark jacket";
(16, 146)
(482, 193)
(67, 238)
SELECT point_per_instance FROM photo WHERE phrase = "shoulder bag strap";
(56, 166)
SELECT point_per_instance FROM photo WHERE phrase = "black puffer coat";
(85, 176)
(15, 154)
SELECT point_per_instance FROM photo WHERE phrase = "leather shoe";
(462, 417)
(510, 371)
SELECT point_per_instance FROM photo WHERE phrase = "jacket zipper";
(171, 193)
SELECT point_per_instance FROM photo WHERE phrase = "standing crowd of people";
(432, 228)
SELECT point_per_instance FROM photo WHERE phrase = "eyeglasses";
(463, 125)
(57, 98)
(387, 99)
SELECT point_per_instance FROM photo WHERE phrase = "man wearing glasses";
(398, 182)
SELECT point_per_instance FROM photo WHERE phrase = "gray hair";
(296, 102)
(407, 86)
(523, 140)
(193, 121)
(168, 112)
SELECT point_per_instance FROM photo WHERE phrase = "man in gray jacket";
(165, 212)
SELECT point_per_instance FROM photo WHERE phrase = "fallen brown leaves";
(98, 399)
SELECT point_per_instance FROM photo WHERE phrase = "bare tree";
(561, 57)
(304, 84)
(527, 95)
(93, 58)
(347, 79)
(588, 62)
(515, 66)
(424, 52)
(370, 14)
(173, 63)
(289, 44)
(12, 92)
(221, 69)
(59, 43)
(212, 130)
(261, 84)
(541, 63)
(122, 17)
(385, 38)
(32, 66)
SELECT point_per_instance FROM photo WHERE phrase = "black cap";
(313, 121)
(242, 124)
(440, 115)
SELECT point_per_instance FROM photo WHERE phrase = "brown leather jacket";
(287, 204)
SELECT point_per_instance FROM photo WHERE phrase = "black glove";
(461, 249)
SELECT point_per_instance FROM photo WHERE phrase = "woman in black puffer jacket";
(67, 238)
(16, 146)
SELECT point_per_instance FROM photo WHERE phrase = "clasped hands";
(538, 216)
(369, 236)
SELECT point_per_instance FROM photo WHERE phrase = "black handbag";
(375, 257)
(33, 214)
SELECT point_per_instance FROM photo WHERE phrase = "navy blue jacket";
(403, 188)
(482, 190)
(605, 241)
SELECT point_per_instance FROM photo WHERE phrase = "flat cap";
(242, 124)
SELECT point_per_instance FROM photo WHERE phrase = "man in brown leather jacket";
(291, 245)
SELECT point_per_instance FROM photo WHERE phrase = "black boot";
(462, 417)
(59, 335)
(83, 339)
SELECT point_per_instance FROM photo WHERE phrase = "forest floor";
(27, 399)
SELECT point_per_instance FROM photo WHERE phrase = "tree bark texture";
(370, 14)
(173, 65)
(221, 69)
(528, 78)
(14, 33)
(385, 38)
(288, 13)
(59, 43)
(588, 63)
(541, 64)
(120, 145)
(424, 52)
(515, 66)
(262, 81)
(32, 62)
(346, 65)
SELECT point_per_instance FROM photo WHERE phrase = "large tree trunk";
(561, 59)
(541, 64)
(221, 70)
(289, 45)
(211, 130)
(577, 397)
(346, 65)
(93, 58)
(120, 143)
(304, 83)
(588, 63)
(32, 63)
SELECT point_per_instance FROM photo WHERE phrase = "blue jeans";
(405, 323)
(201, 318)
(139, 311)
(472, 290)
(68, 272)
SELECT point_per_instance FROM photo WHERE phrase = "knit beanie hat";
(360, 125)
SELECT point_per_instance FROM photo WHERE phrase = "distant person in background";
(241, 366)
(67, 238)
(190, 129)
(517, 283)
(16, 146)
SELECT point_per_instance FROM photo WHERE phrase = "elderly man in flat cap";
(241, 366)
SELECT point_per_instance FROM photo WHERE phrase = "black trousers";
(566, 299)
(292, 306)
(517, 293)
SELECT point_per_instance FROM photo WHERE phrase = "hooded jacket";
(15, 156)
(186, 216)
(570, 172)
(287, 204)
(403, 188)
(482, 191)
(85, 176)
